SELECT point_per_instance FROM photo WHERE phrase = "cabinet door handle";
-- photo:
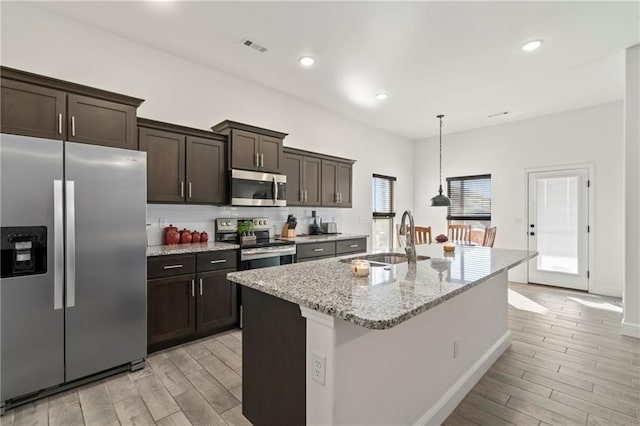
(353, 245)
(200, 286)
(73, 125)
(60, 123)
(171, 267)
(181, 188)
(318, 249)
(219, 261)
(189, 189)
(302, 195)
(261, 160)
(193, 288)
(257, 160)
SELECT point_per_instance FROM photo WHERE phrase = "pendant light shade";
(440, 200)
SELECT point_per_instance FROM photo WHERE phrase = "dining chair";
(423, 235)
(489, 237)
(459, 233)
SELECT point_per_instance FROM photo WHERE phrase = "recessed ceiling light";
(382, 96)
(307, 61)
(532, 45)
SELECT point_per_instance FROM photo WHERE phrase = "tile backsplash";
(202, 218)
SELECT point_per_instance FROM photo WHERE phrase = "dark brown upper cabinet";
(206, 174)
(303, 178)
(31, 110)
(99, 122)
(337, 183)
(44, 107)
(183, 164)
(252, 148)
(165, 164)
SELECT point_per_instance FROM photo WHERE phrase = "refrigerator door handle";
(58, 245)
(71, 244)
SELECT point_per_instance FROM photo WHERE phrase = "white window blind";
(383, 196)
(470, 197)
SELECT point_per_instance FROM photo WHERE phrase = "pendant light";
(440, 200)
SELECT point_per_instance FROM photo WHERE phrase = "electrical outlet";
(318, 363)
(456, 348)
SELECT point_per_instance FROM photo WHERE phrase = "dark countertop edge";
(329, 238)
(387, 323)
(228, 246)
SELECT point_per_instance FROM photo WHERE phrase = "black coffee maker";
(315, 228)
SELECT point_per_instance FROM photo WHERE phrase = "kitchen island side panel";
(273, 360)
(406, 374)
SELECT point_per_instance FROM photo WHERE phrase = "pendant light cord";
(441, 124)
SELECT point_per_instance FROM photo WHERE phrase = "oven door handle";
(263, 253)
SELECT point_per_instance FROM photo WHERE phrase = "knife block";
(288, 233)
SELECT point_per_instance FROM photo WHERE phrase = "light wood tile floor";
(568, 364)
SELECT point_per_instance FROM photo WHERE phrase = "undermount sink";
(384, 259)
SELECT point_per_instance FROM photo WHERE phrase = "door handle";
(73, 125)
(218, 261)
(318, 249)
(71, 244)
(302, 195)
(257, 159)
(261, 160)
(60, 123)
(181, 188)
(58, 245)
(532, 233)
(189, 189)
(200, 286)
(193, 288)
(171, 266)
(275, 190)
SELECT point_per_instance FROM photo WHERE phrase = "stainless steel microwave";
(258, 189)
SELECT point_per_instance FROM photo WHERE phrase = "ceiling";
(461, 59)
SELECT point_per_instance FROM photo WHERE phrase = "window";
(470, 200)
(383, 208)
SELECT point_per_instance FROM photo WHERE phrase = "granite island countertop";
(307, 239)
(167, 250)
(389, 295)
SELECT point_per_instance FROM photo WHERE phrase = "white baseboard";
(605, 291)
(450, 400)
(630, 329)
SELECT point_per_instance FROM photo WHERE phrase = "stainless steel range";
(265, 251)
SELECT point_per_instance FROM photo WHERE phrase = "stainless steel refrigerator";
(73, 284)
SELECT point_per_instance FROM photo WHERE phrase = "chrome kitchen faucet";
(410, 247)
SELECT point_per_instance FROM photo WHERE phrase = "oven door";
(263, 257)
(258, 189)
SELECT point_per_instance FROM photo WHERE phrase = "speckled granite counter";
(324, 238)
(390, 295)
(189, 248)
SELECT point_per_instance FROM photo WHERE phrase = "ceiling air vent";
(254, 45)
(498, 114)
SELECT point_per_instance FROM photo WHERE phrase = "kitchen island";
(401, 346)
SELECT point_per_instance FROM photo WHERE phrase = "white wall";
(184, 92)
(631, 322)
(589, 135)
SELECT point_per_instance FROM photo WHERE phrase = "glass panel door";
(558, 205)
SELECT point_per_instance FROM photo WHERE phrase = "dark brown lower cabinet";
(217, 301)
(171, 308)
(189, 296)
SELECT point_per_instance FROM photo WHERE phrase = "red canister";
(204, 237)
(171, 235)
(195, 237)
(185, 236)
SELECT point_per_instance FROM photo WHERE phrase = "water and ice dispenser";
(23, 250)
